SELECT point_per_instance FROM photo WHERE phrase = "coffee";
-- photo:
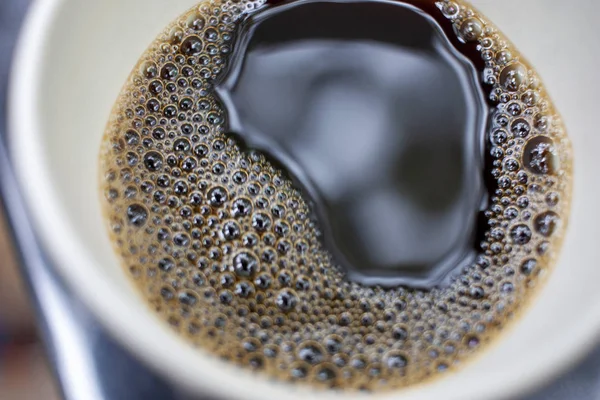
(352, 195)
(346, 106)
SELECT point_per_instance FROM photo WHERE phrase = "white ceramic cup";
(72, 60)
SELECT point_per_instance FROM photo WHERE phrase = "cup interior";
(73, 59)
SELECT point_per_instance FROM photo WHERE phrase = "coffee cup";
(72, 60)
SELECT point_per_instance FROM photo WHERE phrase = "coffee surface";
(382, 126)
(354, 195)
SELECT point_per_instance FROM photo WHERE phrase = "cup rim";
(194, 370)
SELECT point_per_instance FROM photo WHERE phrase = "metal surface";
(89, 365)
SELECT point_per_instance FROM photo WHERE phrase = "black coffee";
(352, 195)
(382, 126)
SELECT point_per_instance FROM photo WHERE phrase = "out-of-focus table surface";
(581, 383)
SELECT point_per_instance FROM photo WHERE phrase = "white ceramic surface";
(74, 56)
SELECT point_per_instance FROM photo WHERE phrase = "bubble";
(199, 279)
(530, 98)
(180, 188)
(149, 70)
(159, 133)
(543, 248)
(231, 230)
(191, 46)
(240, 177)
(211, 35)
(442, 367)
(514, 109)
(513, 77)
(167, 294)
(175, 35)
(358, 362)
(227, 280)
(137, 215)
(201, 150)
(540, 122)
(153, 160)
(302, 283)
(186, 104)
(520, 234)
(281, 228)
(188, 298)
(241, 207)
(333, 344)
(181, 240)
(155, 87)
(284, 278)
(245, 264)
(153, 106)
(225, 296)
(546, 223)
(218, 168)
(511, 165)
(299, 371)
(250, 240)
(399, 333)
(507, 287)
(132, 159)
(523, 202)
(170, 111)
(287, 300)
(539, 156)
(196, 22)
(261, 222)
(326, 373)
(189, 164)
(217, 196)
(521, 128)
(263, 281)
(552, 199)
(477, 292)
(244, 289)
(169, 71)
(166, 264)
(396, 360)
(504, 57)
(528, 266)
(256, 361)
(182, 145)
(311, 353)
(450, 9)
(499, 137)
(472, 341)
(471, 29)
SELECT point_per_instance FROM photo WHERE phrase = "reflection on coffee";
(352, 195)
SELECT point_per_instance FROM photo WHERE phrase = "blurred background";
(25, 372)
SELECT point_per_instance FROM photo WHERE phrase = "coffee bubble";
(513, 77)
(137, 215)
(540, 156)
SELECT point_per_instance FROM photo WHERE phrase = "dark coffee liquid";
(380, 120)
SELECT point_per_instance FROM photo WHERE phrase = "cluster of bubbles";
(225, 249)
